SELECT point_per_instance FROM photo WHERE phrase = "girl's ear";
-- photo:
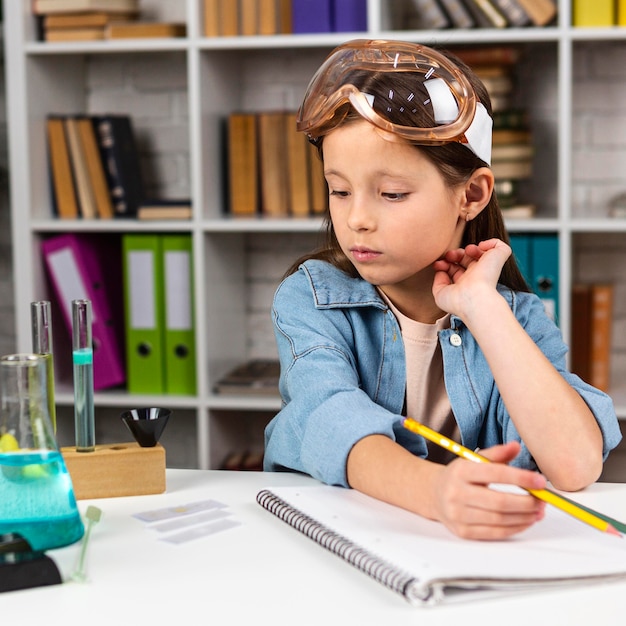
(478, 190)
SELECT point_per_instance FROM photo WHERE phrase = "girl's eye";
(396, 197)
(337, 192)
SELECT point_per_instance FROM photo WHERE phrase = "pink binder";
(82, 267)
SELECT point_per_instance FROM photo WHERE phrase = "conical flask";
(36, 494)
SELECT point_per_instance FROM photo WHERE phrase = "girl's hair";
(455, 162)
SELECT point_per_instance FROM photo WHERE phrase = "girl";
(415, 306)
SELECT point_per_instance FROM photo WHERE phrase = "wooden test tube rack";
(118, 469)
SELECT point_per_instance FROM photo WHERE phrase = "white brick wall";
(599, 129)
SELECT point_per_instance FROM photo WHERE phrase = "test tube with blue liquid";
(82, 358)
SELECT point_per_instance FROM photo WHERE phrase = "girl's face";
(391, 210)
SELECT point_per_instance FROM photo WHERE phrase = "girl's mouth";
(362, 254)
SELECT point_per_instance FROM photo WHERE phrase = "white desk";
(265, 572)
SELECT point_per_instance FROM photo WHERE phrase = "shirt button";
(456, 340)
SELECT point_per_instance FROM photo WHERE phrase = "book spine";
(458, 13)
(541, 12)
(593, 13)
(429, 14)
(620, 13)
(121, 160)
(513, 12)
(349, 16)
(311, 16)
(601, 322)
(487, 15)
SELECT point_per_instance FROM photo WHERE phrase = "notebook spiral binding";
(369, 563)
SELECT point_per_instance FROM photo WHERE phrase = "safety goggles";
(348, 75)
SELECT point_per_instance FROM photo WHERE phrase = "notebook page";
(558, 546)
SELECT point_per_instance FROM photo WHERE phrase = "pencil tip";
(613, 531)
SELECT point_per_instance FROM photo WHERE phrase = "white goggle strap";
(445, 109)
(478, 135)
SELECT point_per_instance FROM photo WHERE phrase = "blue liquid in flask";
(37, 499)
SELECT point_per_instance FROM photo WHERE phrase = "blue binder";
(545, 270)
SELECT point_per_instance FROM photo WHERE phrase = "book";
(299, 181)
(285, 17)
(42, 7)
(486, 14)
(592, 319)
(512, 151)
(426, 564)
(135, 30)
(85, 19)
(120, 156)
(89, 33)
(519, 211)
(228, 18)
(458, 14)
(167, 209)
(319, 188)
(513, 12)
(64, 200)
(249, 17)
(258, 376)
(311, 16)
(243, 182)
(620, 13)
(512, 169)
(273, 164)
(510, 135)
(211, 17)
(540, 12)
(95, 168)
(587, 13)
(84, 190)
(268, 17)
(349, 16)
(498, 54)
(424, 14)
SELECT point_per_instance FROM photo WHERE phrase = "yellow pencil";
(542, 494)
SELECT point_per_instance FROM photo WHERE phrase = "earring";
(468, 217)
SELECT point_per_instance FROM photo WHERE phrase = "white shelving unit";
(44, 77)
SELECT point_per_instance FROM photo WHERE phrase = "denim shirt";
(343, 375)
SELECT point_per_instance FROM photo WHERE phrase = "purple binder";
(311, 16)
(349, 16)
(83, 267)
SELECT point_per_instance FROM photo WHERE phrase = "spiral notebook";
(424, 562)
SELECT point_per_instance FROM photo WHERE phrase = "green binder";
(144, 317)
(179, 340)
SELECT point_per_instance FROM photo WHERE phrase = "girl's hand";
(470, 509)
(465, 276)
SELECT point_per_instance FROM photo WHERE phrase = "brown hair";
(454, 161)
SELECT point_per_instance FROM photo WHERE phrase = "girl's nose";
(360, 216)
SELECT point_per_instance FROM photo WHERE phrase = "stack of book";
(437, 14)
(272, 169)
(513, 151)
(95, 171)
(92, 20)
(231, 18)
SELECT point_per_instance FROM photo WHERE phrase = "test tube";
(41, 331)
(82, 358)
